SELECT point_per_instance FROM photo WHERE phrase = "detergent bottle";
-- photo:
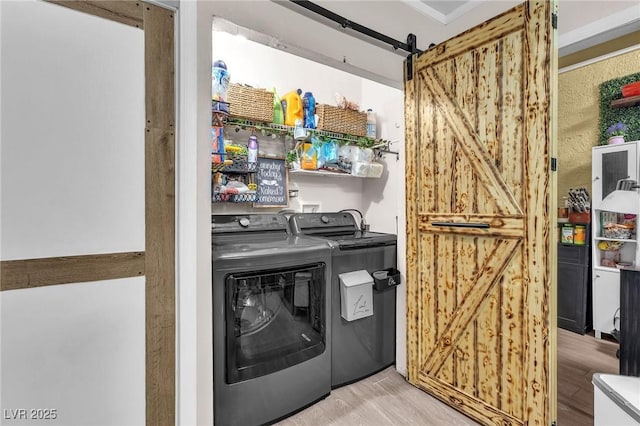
(278, 113)
(219, 84)
(292, 107)
(309, 109)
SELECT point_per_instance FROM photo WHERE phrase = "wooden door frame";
(157, 262)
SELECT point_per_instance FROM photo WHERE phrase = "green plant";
(609, 91)
(292, 157)
(617, 129)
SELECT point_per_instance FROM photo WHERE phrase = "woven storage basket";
(249, 103)
(340, 120)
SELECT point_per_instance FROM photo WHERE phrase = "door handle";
(462, 225)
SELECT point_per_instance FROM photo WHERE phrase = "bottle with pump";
(252, 146)
(309, 110)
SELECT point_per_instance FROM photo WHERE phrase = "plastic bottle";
(309, 110)
(371, 124)
(292, 107)
(278, 115)
(220, 78)
(253, 150)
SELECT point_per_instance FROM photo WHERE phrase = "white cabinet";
(611, 163)
(606, 300)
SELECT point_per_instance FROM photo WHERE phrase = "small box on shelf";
(580, 217)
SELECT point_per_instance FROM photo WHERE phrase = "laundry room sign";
(271, 179)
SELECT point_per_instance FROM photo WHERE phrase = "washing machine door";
(274, 319)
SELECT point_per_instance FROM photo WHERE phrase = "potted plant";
(292, 160)
(616, 133)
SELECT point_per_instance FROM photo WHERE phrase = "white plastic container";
(616, 400)
(375, 170)
(356, 295)
(371, 124)
(360, 169)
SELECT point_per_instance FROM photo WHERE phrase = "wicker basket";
(340, 120)
(249, 103)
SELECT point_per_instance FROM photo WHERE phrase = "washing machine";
(363, 346)
(271, 322)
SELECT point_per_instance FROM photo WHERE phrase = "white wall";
(72, 183)
(378, 199)
(262, 66)
(77, 349)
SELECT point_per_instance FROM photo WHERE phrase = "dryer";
(367, 345)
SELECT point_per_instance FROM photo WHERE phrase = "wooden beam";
(160, 216)
(488, 277)
(29, 273)
(469, 141)
(125, 12)
(539, 201)
(497, 27)
(502, 227)
(467, 403)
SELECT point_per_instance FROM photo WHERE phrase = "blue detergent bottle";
(309, 109)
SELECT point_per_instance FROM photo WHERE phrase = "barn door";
(478, 224)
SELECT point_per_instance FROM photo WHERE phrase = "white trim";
(600, 26)
(173, 5)
(462, 10)
(426, 10)
(439, 16)
(598, 59)
(186, 220)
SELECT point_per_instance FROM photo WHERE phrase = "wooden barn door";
(478, 224)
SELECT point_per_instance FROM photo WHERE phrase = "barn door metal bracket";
(554, 21)
(554, 164)
(411, 43)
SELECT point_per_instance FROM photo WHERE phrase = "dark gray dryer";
(271, 322)
(367, 345)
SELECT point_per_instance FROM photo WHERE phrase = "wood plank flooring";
(387, 399)
(579, 357)
(382, 399)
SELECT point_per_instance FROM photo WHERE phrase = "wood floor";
(579, 357)
(387, 399)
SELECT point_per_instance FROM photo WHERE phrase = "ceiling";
(285, 25)
(443, 11)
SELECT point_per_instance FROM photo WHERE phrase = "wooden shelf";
(626, 102)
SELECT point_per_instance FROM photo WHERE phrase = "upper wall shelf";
(626, 102)
(282, 129)
(380, 145)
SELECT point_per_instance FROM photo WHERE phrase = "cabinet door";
(606, 300)
(571, 297)
(610, 164)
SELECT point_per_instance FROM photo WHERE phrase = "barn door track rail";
(409, 46)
